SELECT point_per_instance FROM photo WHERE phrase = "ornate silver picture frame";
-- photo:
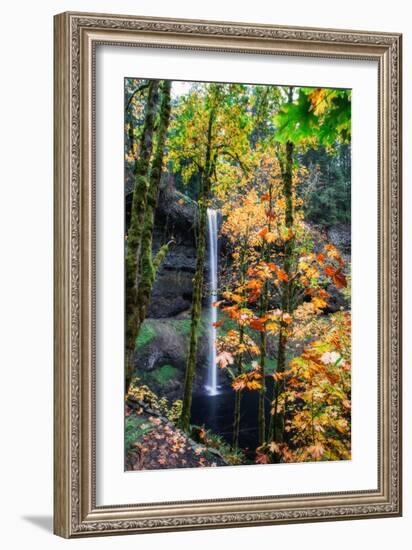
(76, 37)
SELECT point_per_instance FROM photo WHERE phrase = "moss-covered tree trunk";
(134, 235)
(238, 394)
(149, 264)
(264, 304)
(262, 363)
(131, 125)
(236, 422)
(239, 359)
(196, 310)
(276, 427)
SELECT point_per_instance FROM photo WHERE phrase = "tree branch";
(137, 91)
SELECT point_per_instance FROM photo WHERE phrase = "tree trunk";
(196, 307)
(238, 394)
(198, 279)
(263, 338)
(262, 391)
(276, 427)
(239, 361)
(236, 422)
(150, 265)
(134, 235)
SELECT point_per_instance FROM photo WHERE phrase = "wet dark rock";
(336, 300)
(340, 236)
(175, 221)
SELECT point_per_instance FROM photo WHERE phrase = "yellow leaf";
(274, 447)
(270, 237)
(319, 303)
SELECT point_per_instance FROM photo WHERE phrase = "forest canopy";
(328, 189)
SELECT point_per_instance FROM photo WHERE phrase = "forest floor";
(153, 442)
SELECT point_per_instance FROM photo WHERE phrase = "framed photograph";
(227, 274)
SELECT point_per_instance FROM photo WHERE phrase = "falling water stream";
(212, 387)
(213, 407)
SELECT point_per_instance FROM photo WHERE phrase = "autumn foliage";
(313, 392)
(237, 149)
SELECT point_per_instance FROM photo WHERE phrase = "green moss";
(162, 374)
(150, 328)
(182, 326)
(228, 324)
(146, 334)
(271, 365)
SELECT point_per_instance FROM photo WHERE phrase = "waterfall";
(212, 238)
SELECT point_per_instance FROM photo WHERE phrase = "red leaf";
(257, 324)
(339, 279)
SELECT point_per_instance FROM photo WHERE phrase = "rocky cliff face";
(175, 219)
(162, 345)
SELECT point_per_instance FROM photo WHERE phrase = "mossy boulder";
(161, 352)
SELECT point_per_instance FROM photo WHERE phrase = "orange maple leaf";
(239, 384)
(254, 284)
(257, 324)
(263, 232)
(329, 270)
(282, 275)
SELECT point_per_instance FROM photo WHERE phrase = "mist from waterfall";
(212, 387)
